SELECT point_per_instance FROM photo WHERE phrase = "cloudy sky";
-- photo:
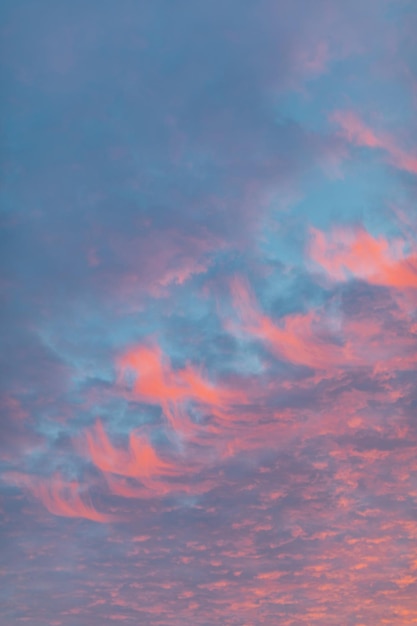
(209, 313)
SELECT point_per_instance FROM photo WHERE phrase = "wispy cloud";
(209, 280)
(354, 252)
(360, 134)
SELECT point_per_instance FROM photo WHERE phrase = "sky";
(209, 313)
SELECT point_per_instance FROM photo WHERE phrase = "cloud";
(149, 476)
(156, 382)
(346, 252)
(140, 461)
(59, 497)
(323, 339)
(358, 133)
(254, 458)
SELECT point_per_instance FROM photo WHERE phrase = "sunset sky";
(209, 313)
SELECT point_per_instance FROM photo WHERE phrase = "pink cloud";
(13, 407)
(319, 340)
(156, 382)
(139, 472)
(344, 252)
(59, 497)
(294, 339)
(359, 134)
(139, 461)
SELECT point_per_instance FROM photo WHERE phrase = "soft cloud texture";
(209, 276)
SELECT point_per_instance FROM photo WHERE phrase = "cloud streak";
(59, 497)
(355, 252)
(358, 133)
(208, 280)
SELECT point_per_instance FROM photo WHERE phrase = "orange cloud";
(139, 472)
(139, 461)
(294, 340)
(179, 275)
(59, 497)
(355, 252)
(308, 339)
(356, 132)
(120, 486)
(157, 383)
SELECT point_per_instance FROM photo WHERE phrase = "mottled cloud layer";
(209, 313)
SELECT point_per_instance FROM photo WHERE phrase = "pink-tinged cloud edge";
(137, 471)
(355, 131)
(327, 342)
(155, 381)
(59, 497)
(354, 252)
(294, 339)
